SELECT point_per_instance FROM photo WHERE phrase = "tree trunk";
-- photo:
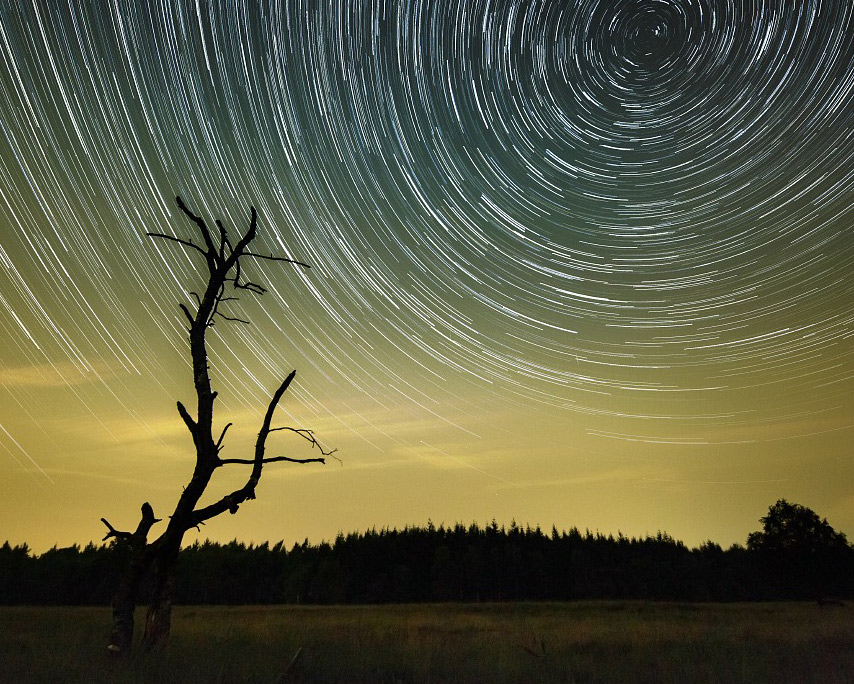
(158, 619)
(124, 600)
(123, 608)
(124, 603)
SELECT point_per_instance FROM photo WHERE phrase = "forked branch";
(231, 502)
(142, 529)
(211, 252)
(113, 532)
(302, 432)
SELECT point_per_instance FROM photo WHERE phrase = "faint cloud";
(606, 477)
(50, 374)
(125, 428)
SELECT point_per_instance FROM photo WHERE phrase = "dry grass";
(573, 642)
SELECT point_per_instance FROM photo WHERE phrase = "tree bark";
(165, 557)
(124, 605)
(158, 619)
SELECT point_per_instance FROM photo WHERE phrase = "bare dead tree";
(223, 259)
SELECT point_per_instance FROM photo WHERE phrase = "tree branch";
(307, 435)
(275, 258)
(211, 253)
(187, 314)
(222, 437)
(237, 251)
(231, 502)
(142, 529)
(223, 240)
(186, 243)
(252, 287)
(185, 415)
(248, 285)
(274, 459)
(113, 532)
(233, 319)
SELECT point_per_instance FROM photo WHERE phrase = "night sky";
(584, 263)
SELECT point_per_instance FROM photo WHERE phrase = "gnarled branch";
(185, 416)
(211, 253)
(233, 319)
(309, 436)
(273, 459)
(231, 502)
(271, 257)
(142, 529)
(113, 532)
(186, 243)
(187, 314)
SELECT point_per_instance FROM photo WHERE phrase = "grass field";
(522, 642)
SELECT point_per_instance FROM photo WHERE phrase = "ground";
(514, 642)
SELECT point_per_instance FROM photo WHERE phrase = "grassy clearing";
(523, 642)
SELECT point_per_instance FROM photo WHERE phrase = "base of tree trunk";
(158, 619)
(158, 623)
(122, 634)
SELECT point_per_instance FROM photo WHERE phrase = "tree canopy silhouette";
(224, 259)
(438, 563)
(800, 554)
(795, 528)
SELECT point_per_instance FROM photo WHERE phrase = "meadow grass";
(512, 642)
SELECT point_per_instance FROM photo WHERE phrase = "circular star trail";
(636, 208)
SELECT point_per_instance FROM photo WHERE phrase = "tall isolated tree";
(224, 277)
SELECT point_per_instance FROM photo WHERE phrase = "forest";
(796, 556)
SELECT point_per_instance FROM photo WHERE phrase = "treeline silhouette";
(458, 563)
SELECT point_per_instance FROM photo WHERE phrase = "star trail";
(594, 256)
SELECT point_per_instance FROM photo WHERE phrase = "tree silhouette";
(795, 528)
(800, 554)
(224, 277)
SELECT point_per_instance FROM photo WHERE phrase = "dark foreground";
(521, 642)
